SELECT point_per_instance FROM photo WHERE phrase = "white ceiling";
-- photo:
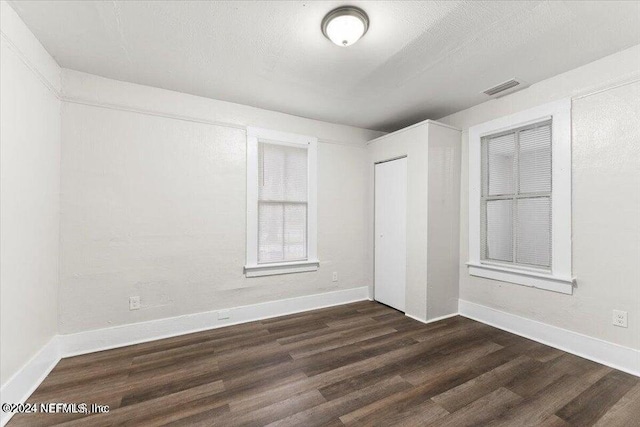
(419, 60)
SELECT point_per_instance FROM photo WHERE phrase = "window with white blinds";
(281, 203)
(520, 198)
(516, 215)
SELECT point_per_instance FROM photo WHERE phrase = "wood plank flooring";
(360, 364)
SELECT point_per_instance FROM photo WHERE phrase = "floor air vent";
(505, 88)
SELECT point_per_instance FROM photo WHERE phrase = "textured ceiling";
(419, 60)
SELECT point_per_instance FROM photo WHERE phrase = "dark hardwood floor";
(356, 364)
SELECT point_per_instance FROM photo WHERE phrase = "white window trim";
(560, 278)
(252, 268)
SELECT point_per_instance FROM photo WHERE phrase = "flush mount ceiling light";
(345, 25)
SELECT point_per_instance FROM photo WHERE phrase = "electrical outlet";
(335, 276)
(620, 318)
(134, 303)
(223, 314)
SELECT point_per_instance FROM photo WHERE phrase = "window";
(281, 203)
(516, 196)
(520, 198)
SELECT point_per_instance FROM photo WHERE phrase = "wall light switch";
(134, 303)
(620, 318)
(335, 276)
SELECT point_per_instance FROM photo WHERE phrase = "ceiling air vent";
(505, 88)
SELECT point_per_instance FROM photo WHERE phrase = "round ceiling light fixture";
(345, 25)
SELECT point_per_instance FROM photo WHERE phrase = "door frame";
(391, 159)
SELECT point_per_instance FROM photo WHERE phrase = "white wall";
(153, 204)
(29, 193)
(444, 218)
(606, 201)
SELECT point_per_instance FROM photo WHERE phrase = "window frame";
(559, 278)
(252, 268)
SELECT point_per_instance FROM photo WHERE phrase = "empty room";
(320, 213)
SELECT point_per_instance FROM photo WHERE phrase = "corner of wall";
(25, 56)
(22, 41)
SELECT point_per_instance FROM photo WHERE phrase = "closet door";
(391, 233)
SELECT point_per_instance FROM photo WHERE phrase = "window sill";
(532, 279)
(280, 268)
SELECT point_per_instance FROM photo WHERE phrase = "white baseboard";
(616, 356)
(135, 333)
(21, 385)
(24, 382)
(18, 388)
(435, 319)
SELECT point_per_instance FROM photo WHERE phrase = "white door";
(391, 233)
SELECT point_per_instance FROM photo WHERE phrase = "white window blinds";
(282, 203)
(516, 196)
